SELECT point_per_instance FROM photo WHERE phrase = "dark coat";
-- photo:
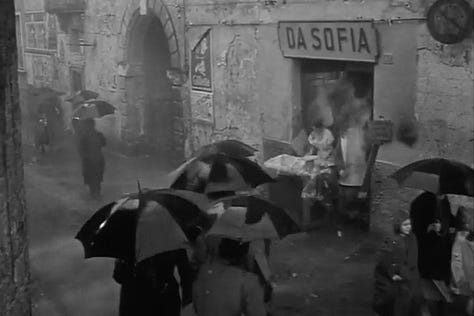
(93, 163)
(434, 256)
(222, 289)
(150, 288)
(398, 298)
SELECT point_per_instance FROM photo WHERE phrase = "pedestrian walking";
(149, 288)
(93, 162)
(225, 287)
(434, 227)
(257, 262)
(397, 280)
(462, 263)
(42, 134)
(124, 274)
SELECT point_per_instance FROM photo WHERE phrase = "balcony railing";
(64, 6)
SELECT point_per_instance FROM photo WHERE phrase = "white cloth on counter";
(297, 166)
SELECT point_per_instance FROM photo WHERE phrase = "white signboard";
(328, 40)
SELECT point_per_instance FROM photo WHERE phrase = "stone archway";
(153, 101)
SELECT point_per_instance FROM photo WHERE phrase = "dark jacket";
(398, 298)
(150, 287)
(90, 150)
(434, 256)
(222, 289)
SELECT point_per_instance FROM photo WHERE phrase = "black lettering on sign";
(290, 37)
(328, 39)
(301, 41)
(317, 40)
(363, 41)
(341, 37)
(353, 40)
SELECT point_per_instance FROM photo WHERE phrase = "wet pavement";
(58, 203)
(316, 273)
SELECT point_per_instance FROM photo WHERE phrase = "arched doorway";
(152, 101)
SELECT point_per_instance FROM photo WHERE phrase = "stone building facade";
(185, 73)
(138, 64)
(414, 74)
(257, 94)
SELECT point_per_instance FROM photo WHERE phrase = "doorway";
(338, 95)
(151, 97)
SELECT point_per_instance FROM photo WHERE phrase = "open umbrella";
(93, 109)
(252, 217)
(42, 97)
(43, 91)
(217, 173)
(135, 229)
(82, 96)
(231, 147)
(437, 175)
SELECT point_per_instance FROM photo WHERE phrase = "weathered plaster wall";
(395, 78)
(277, 101)
(33, 5)
(199, 12)
(445, 99)
(236, 110)
(428, 81)
(273, 85)
(107, 24)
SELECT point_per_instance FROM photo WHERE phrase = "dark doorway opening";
(150, 91)
(339, 96)
(77, 80)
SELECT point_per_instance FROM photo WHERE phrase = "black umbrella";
(133, 229)
(94, 109)
(249, 217)
(82, 96)
(438, 175)
(44, 92)
(230, 147)
(219, 172)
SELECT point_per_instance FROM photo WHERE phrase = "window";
(19, 41)
(41, 31)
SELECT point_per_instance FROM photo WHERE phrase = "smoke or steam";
(407, 132)
(350, 106)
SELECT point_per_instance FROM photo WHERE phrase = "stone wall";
(108, 24)
(14, 263)
(445, 98)
(428, 81)
(444, 110)
(269, 93)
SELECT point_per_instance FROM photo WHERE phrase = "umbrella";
(231, 147)
(43, 91)
(94, 109)
(217, 173)
(252, 217)
(82, 96)
(135, 229)
(437, 175)
(43, 97)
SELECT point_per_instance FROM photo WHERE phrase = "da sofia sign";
(354, 41)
